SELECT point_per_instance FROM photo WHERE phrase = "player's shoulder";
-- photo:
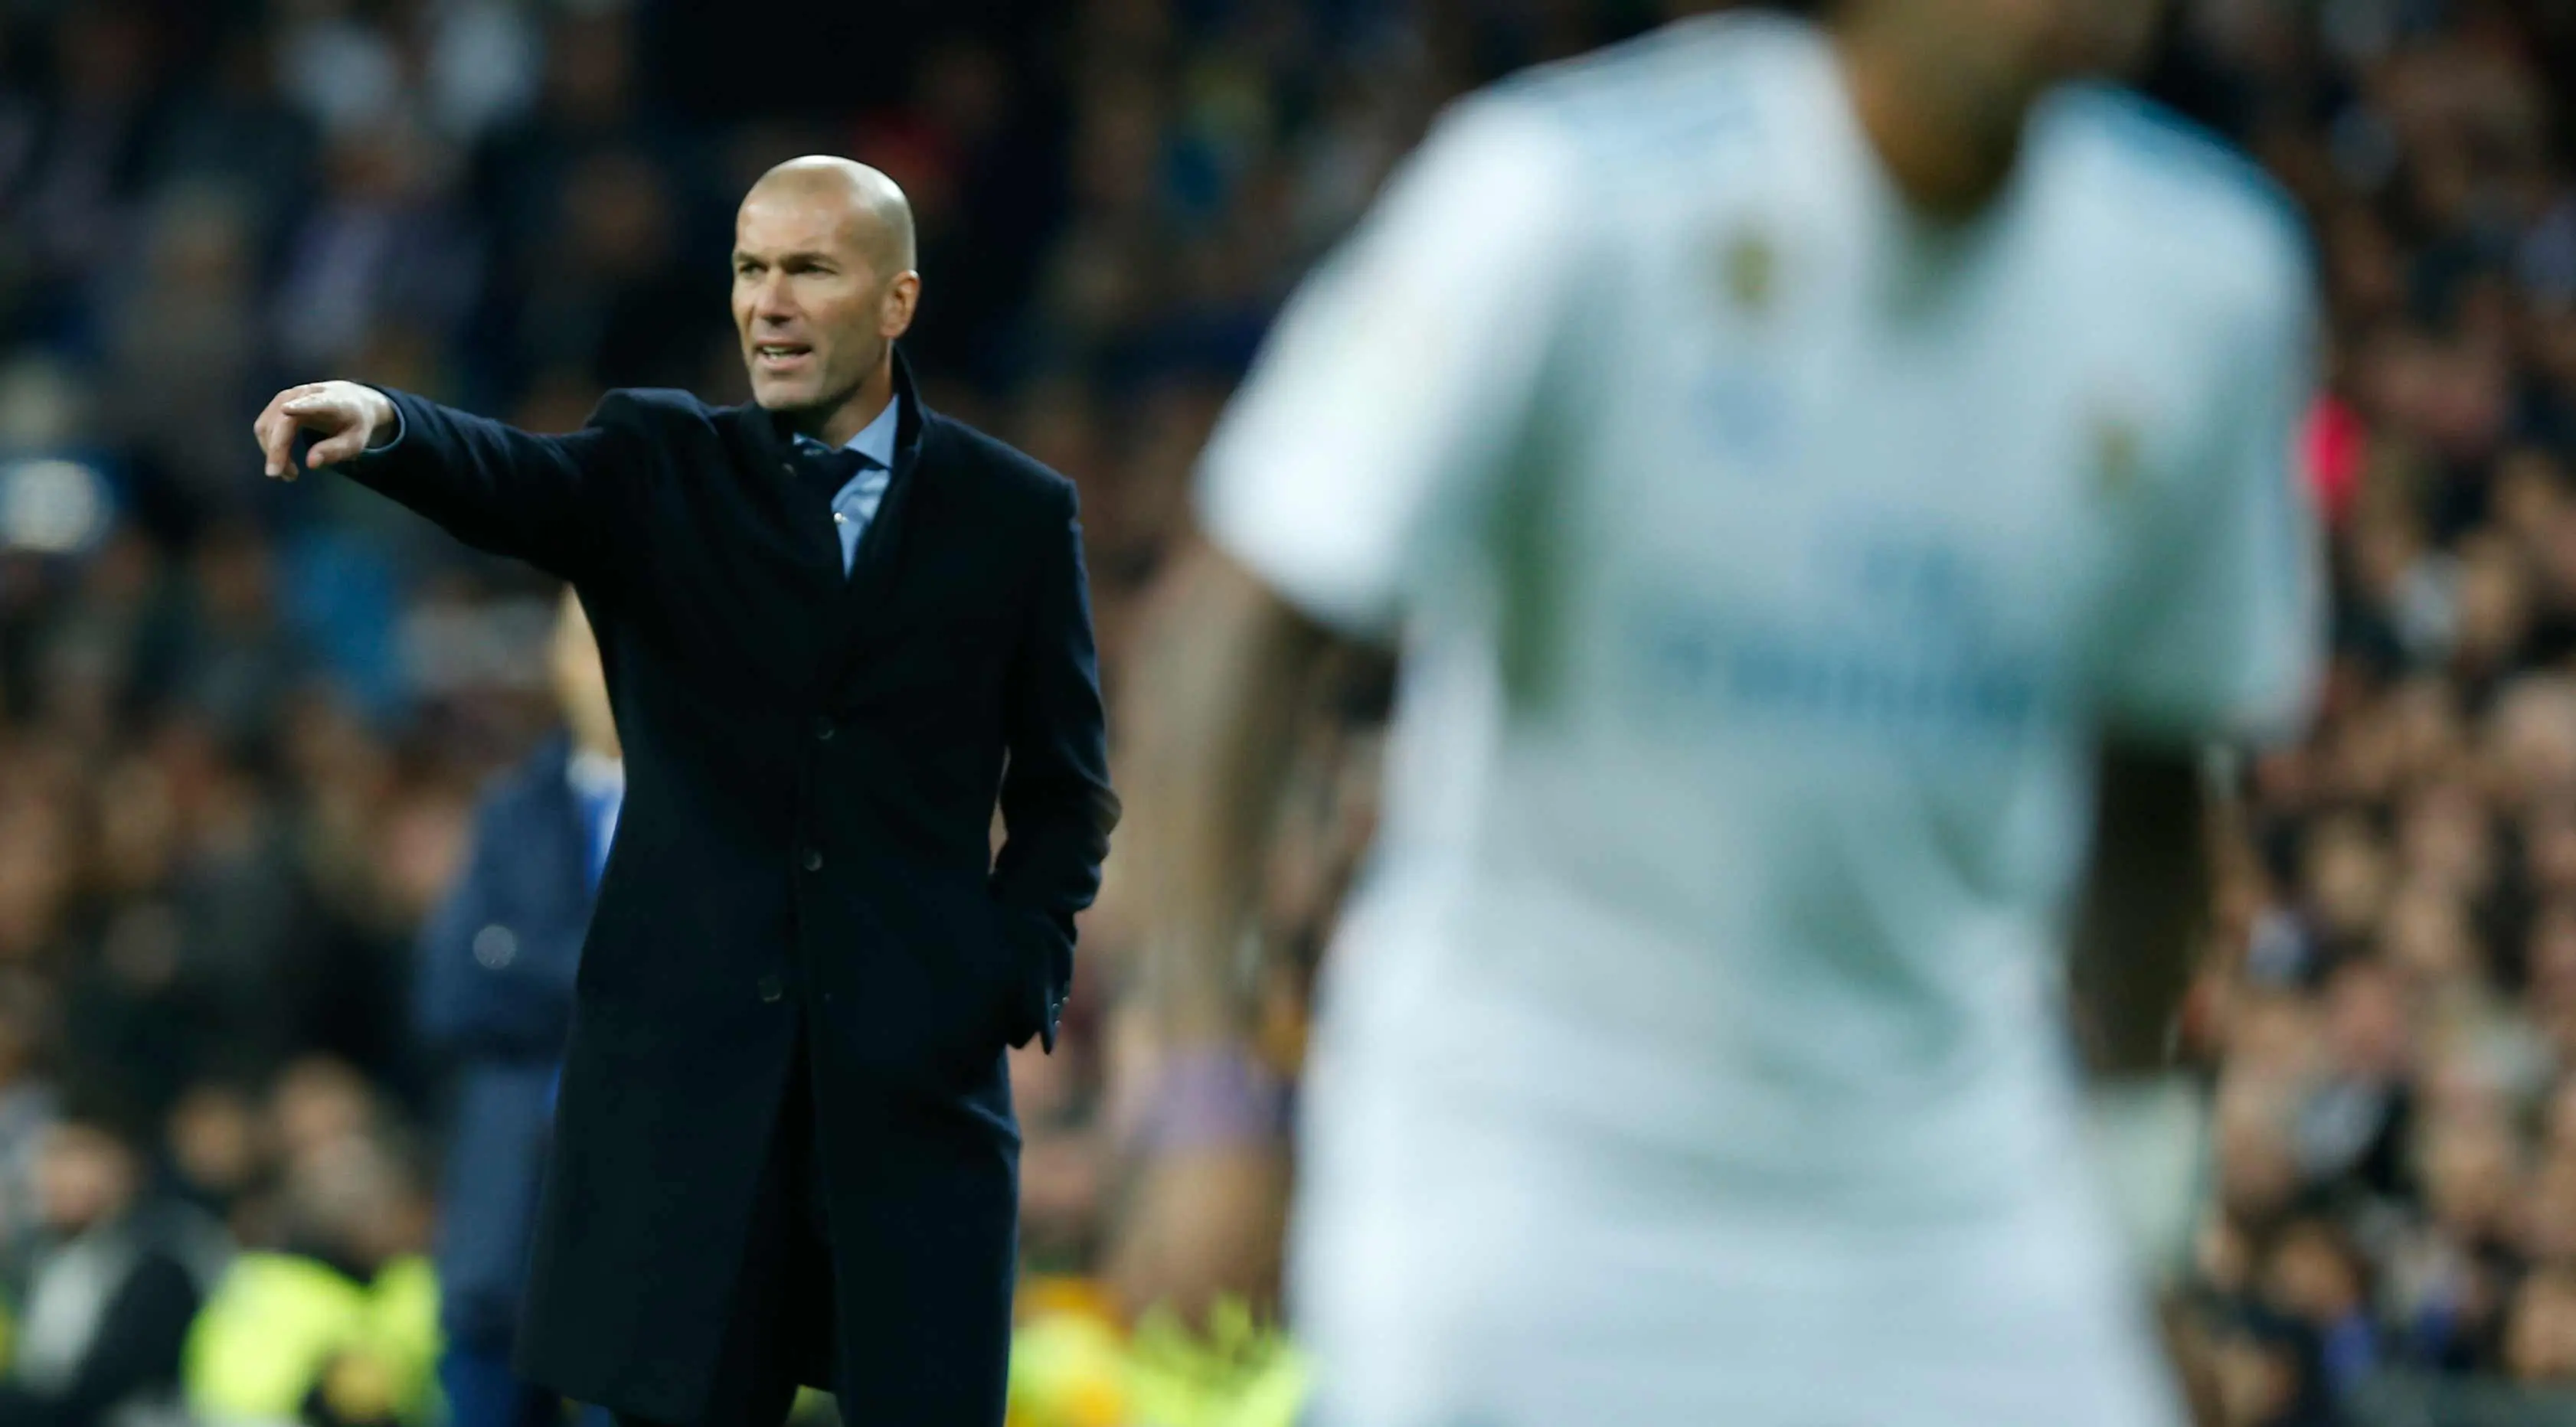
(1667, 95)
(1002, 467)
(2238, 230)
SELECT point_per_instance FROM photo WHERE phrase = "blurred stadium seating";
(241, 724)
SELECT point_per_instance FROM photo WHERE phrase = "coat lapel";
(845, 609)
(872, 580)
(776, 468)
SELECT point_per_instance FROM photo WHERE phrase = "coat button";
(787, 468)
(813, 859)
(771, 988)
(822, 728)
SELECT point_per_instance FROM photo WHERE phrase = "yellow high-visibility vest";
(279, 1325)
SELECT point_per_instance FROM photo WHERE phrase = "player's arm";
(1223, 681)
(446, 992)
(462, 1007)
(1386, 400)
(2137, 935)
(2216, 647)
(492, 486)
(2143, 910)
(1227, 677)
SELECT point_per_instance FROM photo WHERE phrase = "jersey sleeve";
(2223, 626)
(1402, 373)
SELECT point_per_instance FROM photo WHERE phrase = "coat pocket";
(1026, 940)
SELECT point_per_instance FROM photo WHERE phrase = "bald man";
(838, 628)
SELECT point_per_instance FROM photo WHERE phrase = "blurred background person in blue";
(496, 992)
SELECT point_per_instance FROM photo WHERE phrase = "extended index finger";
(277, 439)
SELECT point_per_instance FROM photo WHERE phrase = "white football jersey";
(1769, 563)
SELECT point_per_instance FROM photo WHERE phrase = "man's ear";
(894, 316)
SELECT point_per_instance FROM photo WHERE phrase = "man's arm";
(2144, 914)
(517, 1009)
(2217, 644)
(492, 486)
(444, 1004)
(1362, 456)
(2143, 909)
(1057, 807)
(1224, 680)
(1224, 683)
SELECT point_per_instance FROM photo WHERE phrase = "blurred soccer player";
(1810, 471)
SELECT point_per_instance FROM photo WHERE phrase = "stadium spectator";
(338, 1327)
(121, 1275)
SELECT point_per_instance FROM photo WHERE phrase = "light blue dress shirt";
(855, 504)
(599, 790)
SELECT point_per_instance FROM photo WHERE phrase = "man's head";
(87, 1172)
(359, 1198)
(823, 283)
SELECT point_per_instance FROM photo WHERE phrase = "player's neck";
(1946, 146)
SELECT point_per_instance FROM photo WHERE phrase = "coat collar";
(880, 554)
(854, 609)
(778, 442)
(912, 417)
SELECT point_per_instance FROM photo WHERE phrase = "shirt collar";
(876, 439)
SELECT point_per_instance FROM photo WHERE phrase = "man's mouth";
(780, 356)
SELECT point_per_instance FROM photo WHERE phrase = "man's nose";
(770, 305)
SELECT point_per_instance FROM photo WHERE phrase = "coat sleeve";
(1057, 806)
(500, 489)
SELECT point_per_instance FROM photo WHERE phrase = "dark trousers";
(782, 1308)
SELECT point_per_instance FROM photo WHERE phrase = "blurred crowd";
(243, 725)
(2391, 1009)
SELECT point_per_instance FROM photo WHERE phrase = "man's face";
(814, 314)
(81, 1177)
